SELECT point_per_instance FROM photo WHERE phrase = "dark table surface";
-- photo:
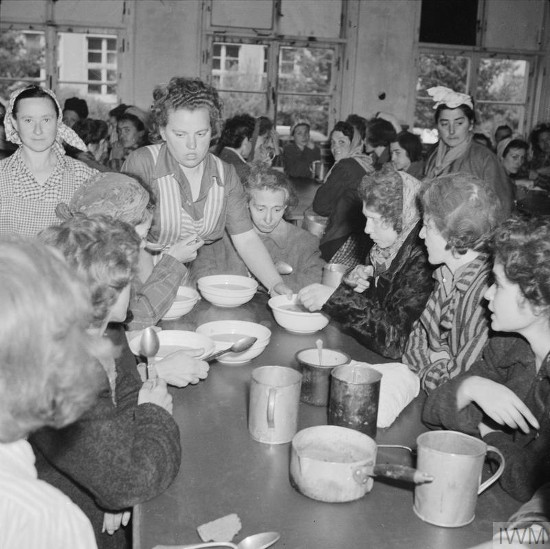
(225, 471)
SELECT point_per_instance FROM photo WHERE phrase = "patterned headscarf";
(108, 193)
(64, 133)
(445, 96)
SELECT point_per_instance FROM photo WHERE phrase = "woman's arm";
(257, 259)
(329, 192)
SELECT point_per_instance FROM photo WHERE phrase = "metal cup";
(319, 170)
(354, 395)
(333, 274)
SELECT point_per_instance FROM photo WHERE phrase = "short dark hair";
(343, 127)
(515, 144)
(77, 105)
(118, 110)
(33, 92)
(380, 132)
(235, 130)
(359, 123)
(468, 112)
(411, 143)
(543, 127)
(91, 130)
(464, 209)
(522, 246)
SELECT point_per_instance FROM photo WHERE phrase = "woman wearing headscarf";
(38, 175)
(379, 302)
(456, 150)
(337, 198)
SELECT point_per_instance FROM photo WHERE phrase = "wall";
(164, 41)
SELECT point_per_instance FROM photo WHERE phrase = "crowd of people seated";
(102, 221)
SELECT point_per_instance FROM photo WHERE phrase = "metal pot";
(336, 464)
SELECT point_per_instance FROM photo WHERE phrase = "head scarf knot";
(64, 133)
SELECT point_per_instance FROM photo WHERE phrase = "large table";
(225, 471)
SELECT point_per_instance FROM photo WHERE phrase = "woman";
(133, 133)
(155, 286)
(38, 175)
(49, 376)
(406, 154)
(512, 153)
(382, 299)
(126, 449)
(460, 212)
(337, 198)
(265, 143)
(457, 152)
(74, 110)
(380, 133)
(197, 194)
(299, 155)
(269, 195)
(235, 143)
(94, 134)
(505, 396)
(540, 146)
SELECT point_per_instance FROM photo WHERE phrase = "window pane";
(111, 76)
(493, 115)
(437, 70)
(21, 60)
(312, 108)
(306, 70)
(448, 22)
(94, 74)
(111, 90)
(94, 88)
(237, 103)
(111, 44)
(502, 80)
(111, 58)
(94, 57)
(94, 43)
(240, 67)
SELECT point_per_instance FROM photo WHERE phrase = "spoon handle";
(198, 545)
(218, 353)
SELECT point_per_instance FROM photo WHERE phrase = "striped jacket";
(455, 324)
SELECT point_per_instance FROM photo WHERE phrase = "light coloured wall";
(164, 41)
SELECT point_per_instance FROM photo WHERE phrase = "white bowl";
(226, 332)
(197, 345)
(227, 290)
(186, 299)
(291, 315)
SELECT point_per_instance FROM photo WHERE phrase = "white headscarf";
(445, 96)
(64, 133)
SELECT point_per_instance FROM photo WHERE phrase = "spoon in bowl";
(238, 347)
(149, 347)
(256, 541)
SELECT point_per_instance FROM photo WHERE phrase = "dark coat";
(113, 457)
(381, 317)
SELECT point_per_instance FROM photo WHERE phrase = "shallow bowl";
(292, 316)
(225, 332)
(186, 299)
(197, 345)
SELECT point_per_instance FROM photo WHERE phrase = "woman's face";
(70, 118)
(128, 134)
(510, 311)
(246, 147)
(380, 230)
(340, 145)
(36, 123)
(454, 127)
(301, 136)
(267, 208)
(513, 160)
(435, 243)
(399, 157)
(187, 135)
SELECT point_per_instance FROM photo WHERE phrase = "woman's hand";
(180, 369)
(497, 401)
(314, 296)
(185, 250)
(113, 521)
(360, 278)
(281, 289)
(154, 391)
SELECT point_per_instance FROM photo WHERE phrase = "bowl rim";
(292, 313)
(249, 282)
(260, 340)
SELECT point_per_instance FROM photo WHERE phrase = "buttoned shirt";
(27, 206)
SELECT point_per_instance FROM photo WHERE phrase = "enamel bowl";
(292, 316)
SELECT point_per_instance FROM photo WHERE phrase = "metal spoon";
(283, 268)
(149, 347)
(238, 347)
(256, 541)
(319, 345)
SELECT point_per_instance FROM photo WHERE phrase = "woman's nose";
(490, 292)
(191, 142)
(451, 129)
(422, 233)
(268, 216)
(38, 128)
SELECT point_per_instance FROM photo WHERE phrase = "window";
(289, 83)
(499, 86)
(102, 65)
